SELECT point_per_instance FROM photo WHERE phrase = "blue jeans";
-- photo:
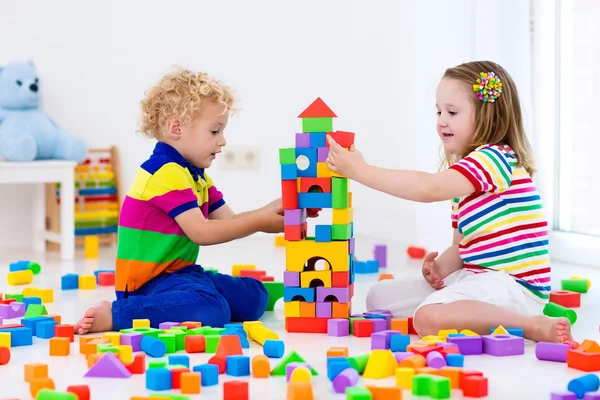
(192, 294)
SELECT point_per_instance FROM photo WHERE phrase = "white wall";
(375, 63)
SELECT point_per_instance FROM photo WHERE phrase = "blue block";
(366, 267)
(234, 326)
(45, 329)
(322, 233)
(31, 323)
(153, 347)
(398, 342)
(352, 277)
(308, 294)
(19, 266)
(69, 281)
(31, 300)
(351, 229)
(515, 331)
(585, 383)
(314, 200)
(273, 348)
(456, 334)
(209, 374)
(179, 360)
(455, 360)
(335, 365)
(237, 365)
(158, 379)
(318, 139)
(311, 171)
(19, 336)
(289, 172)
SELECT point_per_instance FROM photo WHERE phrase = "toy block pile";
(22, 272)
(319, 275)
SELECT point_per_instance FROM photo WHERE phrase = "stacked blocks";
(319, 276)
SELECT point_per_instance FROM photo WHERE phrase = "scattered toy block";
(138, 365)
(60, 346)
(363, 328)
(358, 393)
(399, 324)
(279, 241)
(474, 386)
(20, 277)
(195, 344)
(4, 355)
(299, 391)
(35, 370)
(421, 384)
(69, 282)
(66, 331)
(404, 376)
(108, 366)
(46, 294)
(337, 352)
(106, 279)
(292, 357)
(209, 374)
(416, 252)
(158, 379)
(141, 323)
(381, 364)
(503, 345)
(414, 362)
(81, 391)
(36, 385)
(468, 345)
(385, 392)
(455, 360)
(5, 339)
(385, 276)
(589, 362)
(274, 348)
(236, 268)
(190, 383)
(574, 285)
(345, 379)
(87, 282)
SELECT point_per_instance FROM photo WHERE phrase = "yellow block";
(323, 170)
(87, 282)
(300, 374)
(24, 277)
(141, 323)
(468, 332)
(5, 339)
(30, 292)
(307, 277)
(114, 337)
(260, 333)
(46, 294)
(342, 215)
(500, 331)
(91, 246)
(349, 199)
(299, 252)
(291, 309)
(236, 268)
(126, 354)
(249, 324)
(433, 339)
(445, 332)
(578, 277)
(381, 364)
(404, 377)
(280, 240)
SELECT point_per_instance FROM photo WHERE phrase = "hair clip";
(488, 87)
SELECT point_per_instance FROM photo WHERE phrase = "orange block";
(60, 346)
(452, 373)
(414, 362)
(589, 362)
(400, 325)
(190, 383)
(337, 352)
(340, 310)
(192, 324)
(308, 309)
(427, 370)
(385, 393)
(90, 345)
(229, 345)
(40, 383)
(261, 368)
(299, 391)
(92, 358)
(56, 318)
(589, 346)
(35, 370)
(383, 277)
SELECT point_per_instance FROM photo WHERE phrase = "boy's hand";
(430, 271)
(342, 161)
(276, 205)
(271, 221)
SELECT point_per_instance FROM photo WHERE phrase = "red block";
(195, 344)
(363, 328)
(416, 252)
(345, 139)
(295, 232)
(4, 355)
(256, 274)
(306, 325)
(426, 350)
(340, 279)
(191, 324)
(65, 331)
(235, 390)
(588, 362)
(411, 327)
(289, 195)
(7, 301)
(81, 391)
(323, 183)
(267, 279)
(468, 374)
(475, 386)
(566, 298)
(138, 365)
(219, 362)
(106, 279)
(176, 376)
(8, 326)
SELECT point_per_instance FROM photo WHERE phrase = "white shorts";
(403, 297)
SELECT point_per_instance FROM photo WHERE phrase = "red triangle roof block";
(318, 109)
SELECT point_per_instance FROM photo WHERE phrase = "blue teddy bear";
(26, 132)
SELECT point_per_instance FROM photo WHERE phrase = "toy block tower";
(319, 275)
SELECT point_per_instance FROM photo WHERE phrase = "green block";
(556, 310)
(212, 342)
(440, 388)
(292, 357)
(35, 310)
(106, 348)
(35, 267)
(317, 124)
(358, 393)
(275, 290)
(420, 384)
(157, 364)
(17, 296)
(352, 319)
(210, 270)
(178, 328)
(341, 231)
(171, 396)
(179, 339)
(209, 331)
(169, 340)
(574, 285)
(359, 363)
(339, 192)
(196, 331)
(144, 331)
(49, 394)
(287, 156)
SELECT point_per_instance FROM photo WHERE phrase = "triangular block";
(500, 331)
(317, 109)
(35, 310)
(109, 366)
(229, 345)
(293, 357)
(381, 364)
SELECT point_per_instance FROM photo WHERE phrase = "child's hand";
(342, 161)
(276, 205)
(430, 271)
(271, 221)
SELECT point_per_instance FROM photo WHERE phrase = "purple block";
(302, 140)
(167, 325)
(323, 310)
(503, 345)
(322, 153)
(1, 321)
(345, 379)
(338, 327)
(132, 339)
(467, 345)
(291, 279)
(379, 311)
(435, 360)
(379, 324)
(401, 355)
(291, 367)
(565, 395)
(12, 310)
(381, 340)
(552, 351)
(380, 254)
(109, 366)
(294, 217)
(342, 295)
(591, 396)
(351, 245)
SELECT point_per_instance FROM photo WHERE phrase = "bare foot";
(96, 319)
(554, 330)
(430, 271)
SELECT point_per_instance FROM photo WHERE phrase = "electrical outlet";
(240, 158)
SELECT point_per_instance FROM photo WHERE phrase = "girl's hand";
(276, 206)
(342, 161)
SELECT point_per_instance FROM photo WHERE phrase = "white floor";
(519, 377)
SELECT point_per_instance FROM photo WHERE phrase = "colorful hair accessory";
(488, 87)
